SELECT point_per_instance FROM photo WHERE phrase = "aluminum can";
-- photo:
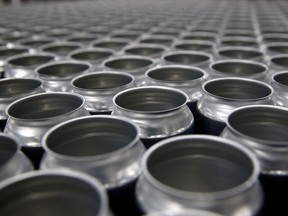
(132, 64)
(221, 96)
(58, 192)
(57, 76)
(94, 56)
(262, 128)
(6, 52)
(36, 114)
(106, 147)
(99, 88)
(280, 86)
(160, 112)
(149, 50)
(13, 161)
(224, 176)
(24, 65)
(115, 44)
(12, 89)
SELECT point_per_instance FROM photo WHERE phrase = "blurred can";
(57, 76)
(61, 49)
(200, 171)
(12, 89)
(12, 161)
(24, 65)
(160, 112)
(58, 192)
(149, 50)
(278, 63)
(30, 117)
(115, 44)
(106, 147)
(263, 129)
(195, 45)
(239, 68)
(35, 43)
(132, 64)
(99, 88)
(221, 96)
(6, 52)
(94, 56)
(280, 85)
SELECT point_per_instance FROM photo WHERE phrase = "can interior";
(150, 100)
(83, 39)
(186, 58)
(282, 61)
(29, 61)
(61, 49)
(199, 165)
(102, 81)
(91, 55)
(44, 106)
(239, 43)
(279, 48)
(91, 137)
(144, 50)
(175, 74)
(63, 69)
(36, 43)
(50, 195)
(128, 63)
(156, 41)
(11, 52)
(237, 89)
(267, 124)
(111, 44)
(238, 68)
(193, 47)
(8, 149)
(241, 54)
(281, 78)
(16, 86)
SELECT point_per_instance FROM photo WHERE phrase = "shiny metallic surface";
(132, 64)
(61, 49)
(278, 63)
(160, 112)
(94, 56)
(224, 180)
(195, 45)
(35, 43)
(186, 212)
(164, 40)
(189, 79)
(12, 89)
(272, 49)
(115, 44)
(30, 117)
(149, 50)
(190, 58)
(280, 85)
(99, 88)
(221, 96)
(57, 76)
(263, 129)
(12, 161)
(112, 148)
(6, 52)
(58, 192)
(238, 41)
(235, 52)
(239, 68)
(24, 65)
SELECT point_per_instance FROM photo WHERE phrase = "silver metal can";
(115, 44)
(221, 96)
(99, 88)
(263, 129)
(239, 68)
(149, 50)
(280, 85)
(132, 64)
(200, 171)
(160, 112)
(30, 117)
(195, 45)
(24, 65)
(94, 56)
(57, 76)
(12, 161)
(58, 192)
(190, 58)
(104, 146)
(6, 52)
(12, 89)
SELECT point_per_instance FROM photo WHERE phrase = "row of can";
(193, 118)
